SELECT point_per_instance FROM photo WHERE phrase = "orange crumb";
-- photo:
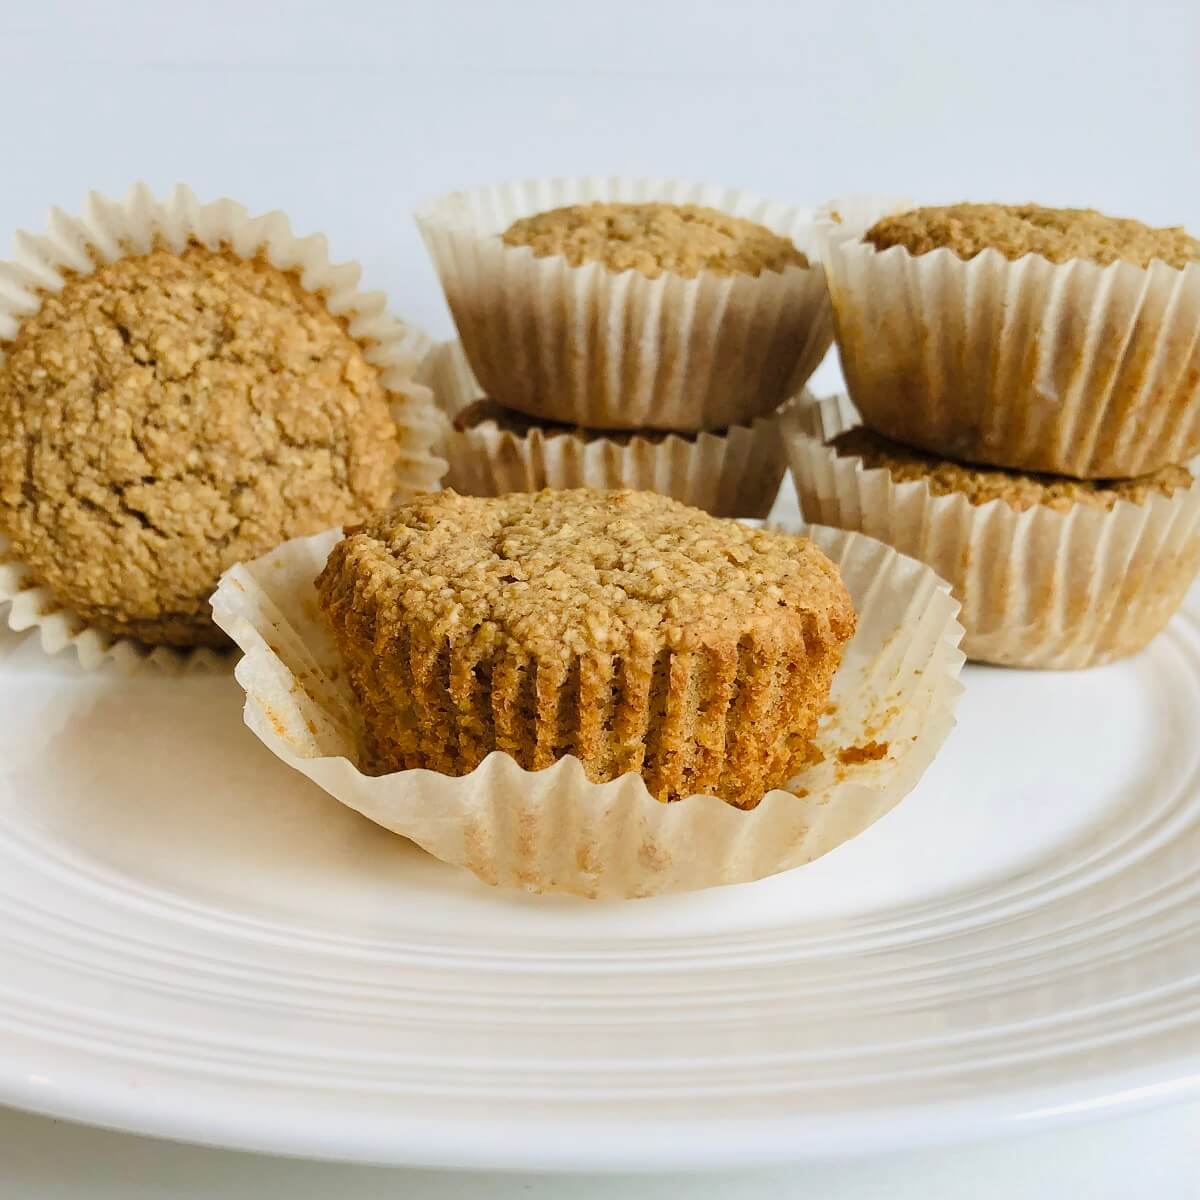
(867, 752)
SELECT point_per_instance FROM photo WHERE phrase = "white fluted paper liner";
(552, 830)
(604, 349)
(108, 230)
(1071, 368)
(735, 473)
(847, 218)
(1039, 588)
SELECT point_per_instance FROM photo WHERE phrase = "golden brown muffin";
(683, 239)
(622, 627)
(1058, 234)
(171, 414)
(1018, 490)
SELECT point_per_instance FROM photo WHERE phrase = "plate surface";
(197, 942)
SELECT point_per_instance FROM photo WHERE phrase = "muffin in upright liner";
(600, 348)
(1071, 368)
(733, 472)
(1069, 586)
(554, 830)
(155, 501)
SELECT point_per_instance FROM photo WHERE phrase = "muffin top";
(1018, 490)
(171, 414)
(483, 412)
(1058, 234)
(562, 573)
(683, 239)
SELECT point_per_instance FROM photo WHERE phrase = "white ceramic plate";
(196, 942)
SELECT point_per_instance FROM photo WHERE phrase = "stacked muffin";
(1029, 384)
(637, 336)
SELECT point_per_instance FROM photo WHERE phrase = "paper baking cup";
(108, 230)
(1073, 368)
(735, 473)
(552, 830)
(1039, 588)
(604, 349)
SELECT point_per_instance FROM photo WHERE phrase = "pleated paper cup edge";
(856, 269)
(469, 257)
(514, 199)
(728, 466)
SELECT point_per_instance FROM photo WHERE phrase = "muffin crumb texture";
(171, 414)
(1017, 489)
(1058, 234)
(683, 239)
(622, 627)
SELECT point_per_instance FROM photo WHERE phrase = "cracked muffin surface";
(170, 414)
(622, 627)
(653, 238)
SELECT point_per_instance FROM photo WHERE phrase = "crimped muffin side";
(656, 237)
(170, 414)
(1057, 234)
(730, 711)
(1019, 490)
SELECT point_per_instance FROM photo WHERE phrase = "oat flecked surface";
(622, 627)
(1017, 489)
(683, 239)
(1058, 234)
(171, 414)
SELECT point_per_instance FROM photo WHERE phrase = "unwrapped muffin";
(492, 450)
(1051, 572)
(631, 304)
(187, 399)
(1038, 339)
(623, 628)
(554, 830)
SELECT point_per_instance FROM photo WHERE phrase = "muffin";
(614, 304)
(1051, 571)
(1036, 339)
(492, 450)
(177, 408)
(623, 628)
(890, 707)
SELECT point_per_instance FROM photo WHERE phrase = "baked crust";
(1058, 234)
(683, 239)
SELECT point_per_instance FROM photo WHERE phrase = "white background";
(347, 114)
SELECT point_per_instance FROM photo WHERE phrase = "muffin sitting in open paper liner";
(1033, 338)
(1051, 571)
(182, 387)
(631, 303)
(511, 682)
(492, 450)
